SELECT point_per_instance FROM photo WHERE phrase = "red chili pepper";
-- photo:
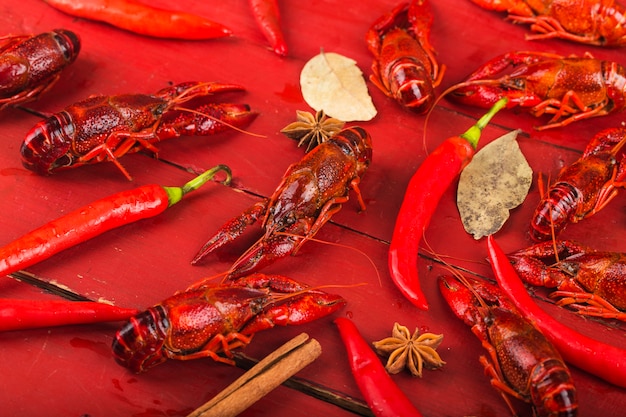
(267, 16)
(603, 360)
(424, 191)
(143, 19)
(31, 314)
(381, 393)
(94, 219)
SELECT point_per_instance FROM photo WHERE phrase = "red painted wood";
(70, 371)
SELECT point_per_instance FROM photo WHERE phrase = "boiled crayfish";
(570, 88)
(31, 64)
(591, 282)
(594, 22)
(210, 318)
(405, 67)
(104, 128)
(583, 188)
(310, 192)
(522, 363)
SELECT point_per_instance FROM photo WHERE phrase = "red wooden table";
(70, 371)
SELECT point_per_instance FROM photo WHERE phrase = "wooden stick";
(266, 375)
(314, 389)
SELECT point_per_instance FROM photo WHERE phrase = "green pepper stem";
(472, 135)
(175, 194)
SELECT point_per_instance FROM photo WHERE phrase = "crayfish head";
(47, 144)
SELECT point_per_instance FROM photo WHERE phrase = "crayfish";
(591, 282)
(583, 188)
(31, 64)
(594, 22)
(570, 89)
(522, 363)
(405, 67)
(209, 318)
(104, 128)
(310, 192)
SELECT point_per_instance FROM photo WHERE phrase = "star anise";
(312, 130)
(414, 352)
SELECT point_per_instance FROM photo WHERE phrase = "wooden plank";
(71, 371)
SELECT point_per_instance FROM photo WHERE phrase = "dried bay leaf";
(495, 181)
(335, 84)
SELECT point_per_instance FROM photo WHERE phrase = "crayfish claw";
(265, 252)
(231, 230)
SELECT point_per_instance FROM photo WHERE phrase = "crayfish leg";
(586, 113)
(588, 304)
(497, 381)
(102, 152)
(549, 28)
(219, 343)
(28, 95)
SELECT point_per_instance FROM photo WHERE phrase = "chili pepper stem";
(472, 135)
(175, 194)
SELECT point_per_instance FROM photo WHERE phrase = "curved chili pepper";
(267, 16)
(94, 219)
(143, 19)
(424, 191)
(381, 393)
(31, 314)
(603, 360)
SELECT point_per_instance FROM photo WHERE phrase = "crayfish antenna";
(442, 95)
(456, 274)
(325, 242)
(208, 280)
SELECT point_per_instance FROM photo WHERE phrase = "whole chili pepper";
(603, 360)
(143, 19)
(94, 219)
(381, 393)
(422, 196)
(31, 314)
(267, 16)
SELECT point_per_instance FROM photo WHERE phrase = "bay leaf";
(334, 83)
(496, 181)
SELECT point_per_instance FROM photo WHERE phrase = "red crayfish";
(570, 88)
(583, 188)
(31, 64)
(522, 363)
(591, 282)
(104, 128)
(595, 22)
(405, 67)
(209, 318)
(310, 192)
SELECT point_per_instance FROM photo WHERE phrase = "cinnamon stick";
(266, 375)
